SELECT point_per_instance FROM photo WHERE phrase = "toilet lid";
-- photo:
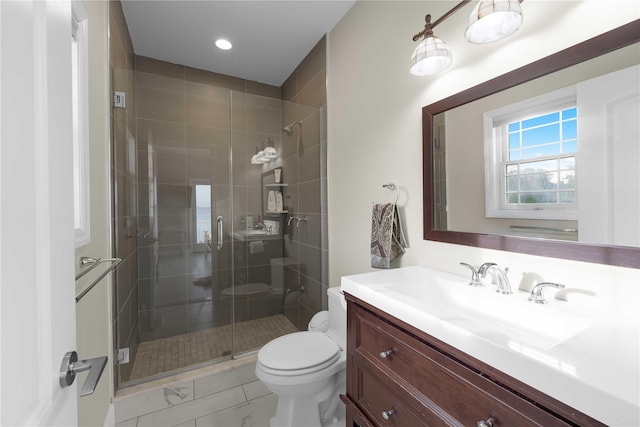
(308, 351)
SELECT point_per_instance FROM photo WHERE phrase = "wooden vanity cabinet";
(400, 376)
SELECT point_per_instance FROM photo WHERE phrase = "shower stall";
(211, 268)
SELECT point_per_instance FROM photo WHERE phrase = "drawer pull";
(386, 353)
(387, 414)
(485, 423)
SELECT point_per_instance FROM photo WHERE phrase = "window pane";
(541, 120)
(514, 140)
(567, 163)
(570, 147)
(538, 197)
(512, 198)
(539, 181)
(203, 212)
(541, 135)
(514, 126)
(512, 183)
(545, 165)
(570, 129)
(514, 155)
(567, 197)
(567, 180)
(541, 151)
(512, 169)
(570, 113)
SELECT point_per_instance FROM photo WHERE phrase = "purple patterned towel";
(387, 238)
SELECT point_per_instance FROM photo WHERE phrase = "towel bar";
(93, 263)
(392, 186)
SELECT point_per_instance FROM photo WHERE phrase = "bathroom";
(374, 135)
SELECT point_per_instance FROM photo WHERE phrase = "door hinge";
(119, 99)
(123, 356)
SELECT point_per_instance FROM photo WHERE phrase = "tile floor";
(168, 354)
(223, 395)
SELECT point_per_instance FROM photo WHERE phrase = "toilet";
(306, 370)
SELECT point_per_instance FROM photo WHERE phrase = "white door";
(609, 154)
(37, 305)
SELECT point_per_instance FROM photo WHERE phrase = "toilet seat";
(298, 353)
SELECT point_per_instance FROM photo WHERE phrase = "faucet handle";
(475, 280)
(536, 292)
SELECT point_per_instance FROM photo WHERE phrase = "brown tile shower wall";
(193, 116)
(123, 170)
(187, 119)
(305, 172)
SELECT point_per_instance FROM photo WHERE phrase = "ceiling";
(270, 38)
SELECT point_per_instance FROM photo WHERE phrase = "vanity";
(424, 348)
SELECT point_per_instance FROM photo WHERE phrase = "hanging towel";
(271, 201)
(387, 237)
(256, 247)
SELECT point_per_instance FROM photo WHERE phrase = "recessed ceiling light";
(223, 44)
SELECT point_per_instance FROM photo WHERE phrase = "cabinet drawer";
(458, 391)
(375, 398)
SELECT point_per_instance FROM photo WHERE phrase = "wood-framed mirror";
(617, 255)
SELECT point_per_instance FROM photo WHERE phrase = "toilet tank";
(337, 316)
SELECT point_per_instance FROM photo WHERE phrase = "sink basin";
(252, 234)
(502, 319)
(255, 232)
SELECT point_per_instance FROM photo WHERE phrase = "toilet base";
(315, 404)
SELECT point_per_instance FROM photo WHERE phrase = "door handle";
(71, 366)
(220, 231)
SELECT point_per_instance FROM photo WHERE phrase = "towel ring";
(392, 186)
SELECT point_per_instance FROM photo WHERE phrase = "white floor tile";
(255, 413)
(154, 400)
(128, 423)
(196, 408)
(255, 389)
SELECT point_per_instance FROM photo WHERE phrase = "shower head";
(288, 130)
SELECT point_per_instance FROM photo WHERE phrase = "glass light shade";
(270, 153)
(493, 20)
(430, 56)
(258, 158)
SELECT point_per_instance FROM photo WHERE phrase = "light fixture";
(493, 20)
(258, 157)
(223, 44)
(269, 152)
(431, 55)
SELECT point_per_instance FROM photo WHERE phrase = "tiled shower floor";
(168, 354)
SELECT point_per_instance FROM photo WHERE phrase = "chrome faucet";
(536, 292)
(259, 225)
(475, 279)
(482, 271)
(478, 274)
(504, 287)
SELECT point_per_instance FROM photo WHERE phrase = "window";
(80, 109)
(531, 148)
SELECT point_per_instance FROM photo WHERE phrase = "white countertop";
(596, 370)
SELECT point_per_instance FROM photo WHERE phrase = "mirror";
(541, 238)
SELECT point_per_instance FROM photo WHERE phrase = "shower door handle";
(220, 231)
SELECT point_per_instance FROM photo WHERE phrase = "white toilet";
(306, 370)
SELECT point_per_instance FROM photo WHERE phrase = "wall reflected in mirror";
(516, 163)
